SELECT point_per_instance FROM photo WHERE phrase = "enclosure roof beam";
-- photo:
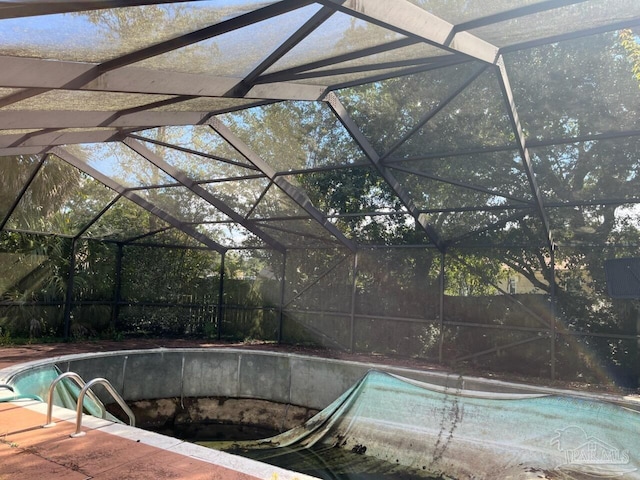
(190, 38)
(260, 198)
(357, 135)
(29, 8)
(296, 194)
(35, 232)
(427, 63)
(485, 208)
(243, 87)
(487, 228)
(47, 137)
(515, 13)
(39, 76)
(433, 112)
(97, 217)
(442, 154)
(10, 152)
(197, 189)
(592, 203)
(407, 19)
(457, 183)
(53, 120)
(445, 61)
(531, 143)
(145, 235)
(217, 158)
(507, 94)
(11, 119)
(137, 199)
(291, 231)
(291, 73)
(235, 23)
(563, 37)
(379, 213)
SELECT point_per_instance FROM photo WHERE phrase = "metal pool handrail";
(116, 396)
(81, 383)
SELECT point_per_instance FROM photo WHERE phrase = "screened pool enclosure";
(438, 179)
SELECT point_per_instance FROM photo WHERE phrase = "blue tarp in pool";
(470, 434)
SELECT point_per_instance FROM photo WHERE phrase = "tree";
(570, 89)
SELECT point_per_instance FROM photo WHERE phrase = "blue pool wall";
(308, 381)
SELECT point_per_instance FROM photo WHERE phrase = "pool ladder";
(86, 390)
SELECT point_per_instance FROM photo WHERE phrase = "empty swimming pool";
(458, 420)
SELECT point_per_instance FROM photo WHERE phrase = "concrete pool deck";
(11, 355)
(108, 450)
(29, 451)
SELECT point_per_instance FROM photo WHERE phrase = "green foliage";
(5, 334)
(473, 275)
(630, 43)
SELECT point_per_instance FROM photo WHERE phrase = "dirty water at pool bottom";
(207, 432)
(321, 461)
(328, 462)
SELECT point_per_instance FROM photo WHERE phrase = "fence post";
(69, 293)
(282, 295)
(352, 325)
(552, 349)
(221, 297)
(441, 313)
(117, 294)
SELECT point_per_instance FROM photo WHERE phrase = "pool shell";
(305, 381)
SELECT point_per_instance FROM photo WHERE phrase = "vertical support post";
(352, 323)
(441, 313)
(637, 339)
(552, 349)
(221, 296)
(282, 296)
(117, 289)
(69, 293)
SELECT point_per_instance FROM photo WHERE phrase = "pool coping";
(466, 381)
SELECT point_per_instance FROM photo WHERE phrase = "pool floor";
(321, 461)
